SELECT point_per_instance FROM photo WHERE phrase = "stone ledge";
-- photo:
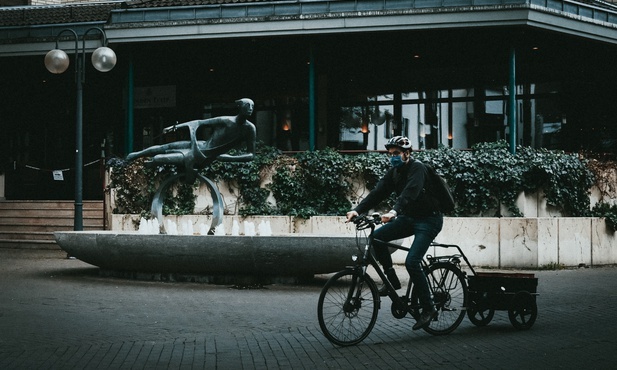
(507, 242)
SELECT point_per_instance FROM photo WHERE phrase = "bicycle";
(349, 301)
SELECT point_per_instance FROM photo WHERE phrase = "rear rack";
(456, 258)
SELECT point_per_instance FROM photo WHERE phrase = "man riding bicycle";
(414, 213)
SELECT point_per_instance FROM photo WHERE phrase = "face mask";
(396, 161)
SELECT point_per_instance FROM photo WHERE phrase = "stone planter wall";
(488, 242)
(532, 242)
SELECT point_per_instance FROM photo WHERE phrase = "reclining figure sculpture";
(228, 132)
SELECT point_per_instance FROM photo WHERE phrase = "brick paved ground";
(60, 314)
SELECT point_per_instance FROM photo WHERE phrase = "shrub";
(322, 182)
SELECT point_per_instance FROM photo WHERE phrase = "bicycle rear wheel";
(348, 307)
(450, 297)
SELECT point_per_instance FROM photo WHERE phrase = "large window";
(456, 118)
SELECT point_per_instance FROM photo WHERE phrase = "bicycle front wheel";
(450, 297)
(348, 307)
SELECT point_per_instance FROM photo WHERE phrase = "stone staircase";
(31, 223)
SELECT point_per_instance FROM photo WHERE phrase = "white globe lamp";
(56, 61)
(104, 59)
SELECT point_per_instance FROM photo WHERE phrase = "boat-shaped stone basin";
(278, 255)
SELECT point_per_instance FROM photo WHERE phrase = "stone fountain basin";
(279, 255)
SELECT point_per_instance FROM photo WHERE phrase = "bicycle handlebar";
(366, 221)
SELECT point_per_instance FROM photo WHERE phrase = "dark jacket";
(407, 182)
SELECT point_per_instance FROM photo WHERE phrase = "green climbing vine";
(489, 175)
(135, 185)
(325, 182)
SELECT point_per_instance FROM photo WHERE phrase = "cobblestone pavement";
(60, 314)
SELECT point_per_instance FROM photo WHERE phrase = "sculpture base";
(185, 255)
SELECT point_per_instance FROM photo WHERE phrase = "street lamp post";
(56, 61)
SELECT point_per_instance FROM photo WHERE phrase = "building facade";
(323, 73)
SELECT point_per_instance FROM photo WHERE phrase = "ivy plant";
(326, 182)
(608, 212)
(564, 178)
(136, 183)
(489, 176)
(247, 177)
(314, 183)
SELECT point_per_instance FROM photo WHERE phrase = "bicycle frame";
(368, 258)
(349, 303)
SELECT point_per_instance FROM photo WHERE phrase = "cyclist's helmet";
(399, 141)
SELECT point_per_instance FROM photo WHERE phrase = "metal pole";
(312, 101)
(512, 102)
(78, 224)
(128, 145)
(56, 63)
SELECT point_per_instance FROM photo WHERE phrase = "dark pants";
(424, 229)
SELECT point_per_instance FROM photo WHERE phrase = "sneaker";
(425, 319)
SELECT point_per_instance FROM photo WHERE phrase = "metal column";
(512, 102)
(128, 141)
(312, 125)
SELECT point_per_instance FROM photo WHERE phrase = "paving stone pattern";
(60, 314)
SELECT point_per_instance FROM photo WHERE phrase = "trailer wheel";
(523, 310)
(480, 316)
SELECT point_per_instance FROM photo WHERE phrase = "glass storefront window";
(460, 124)
(351, 121)
(458, 118)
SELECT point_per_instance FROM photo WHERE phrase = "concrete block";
(229, 193)
(603, 243)
(528, 204)
(544, 209)
(548, 242)
(478, 237)
(124, 222)
(302, 226)
(329, 225)
(489, 242)
(574, 241)
(518, 242)
(280, 225)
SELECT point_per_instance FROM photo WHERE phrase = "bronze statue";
(227, 133)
